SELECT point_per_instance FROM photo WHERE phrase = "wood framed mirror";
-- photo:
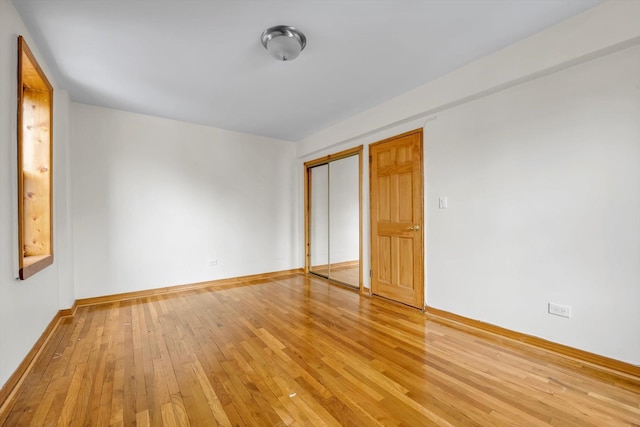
(333, 217)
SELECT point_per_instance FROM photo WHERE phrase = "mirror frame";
(356, 151)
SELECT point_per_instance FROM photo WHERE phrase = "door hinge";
(370, 273)
(370, 159)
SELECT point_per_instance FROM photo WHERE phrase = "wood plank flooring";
(346, 274)
(297, 351)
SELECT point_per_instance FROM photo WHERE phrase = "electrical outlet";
(212, 262)
(559, 310)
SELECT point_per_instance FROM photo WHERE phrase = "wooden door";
(397, 219)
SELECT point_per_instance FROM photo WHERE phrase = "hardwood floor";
(345, 273)
(298, 351)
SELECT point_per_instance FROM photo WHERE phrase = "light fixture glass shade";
(283, 42)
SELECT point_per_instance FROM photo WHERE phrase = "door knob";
(413, 228)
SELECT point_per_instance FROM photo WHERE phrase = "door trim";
(421, 263)
(355, 151)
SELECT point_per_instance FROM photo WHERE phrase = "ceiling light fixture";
(283, 42)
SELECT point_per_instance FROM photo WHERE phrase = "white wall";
(544, 126)
(543, 188)
(27, 307)
(63, 234)
(156, 199)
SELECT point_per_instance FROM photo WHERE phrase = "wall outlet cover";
(559, 310)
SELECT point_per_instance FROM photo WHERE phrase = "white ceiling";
(202, 61)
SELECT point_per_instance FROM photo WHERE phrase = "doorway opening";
(333, 217)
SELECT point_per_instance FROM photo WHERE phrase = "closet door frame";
(355, 151)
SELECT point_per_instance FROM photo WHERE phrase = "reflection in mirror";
(319, 219)
(333, 217)
(344, 220)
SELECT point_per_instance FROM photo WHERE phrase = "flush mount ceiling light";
(283, 42)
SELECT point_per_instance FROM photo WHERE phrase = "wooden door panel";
(405, 263)
(384, 158)
(405, 198)
(384, 259)
(393, 198)
(404, 155)
(397, 219)
(384, 201)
